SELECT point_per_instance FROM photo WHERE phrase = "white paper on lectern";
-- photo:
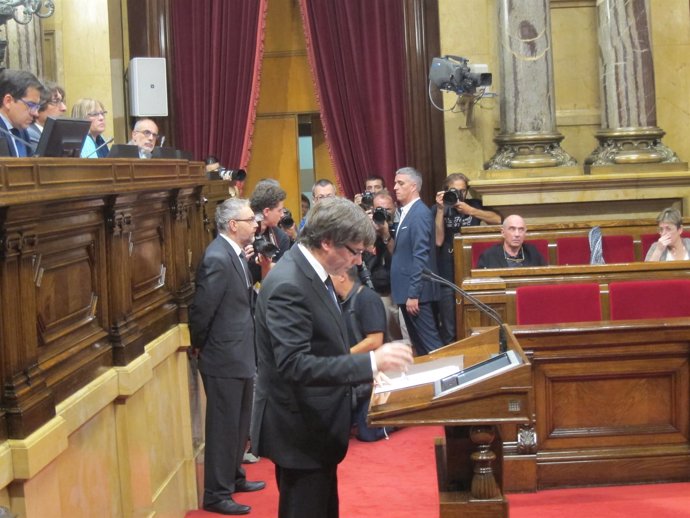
(422, 373)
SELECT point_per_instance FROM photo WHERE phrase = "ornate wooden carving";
(95, 261)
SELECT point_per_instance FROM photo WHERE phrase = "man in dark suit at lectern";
(221, 326)
(303, 407)
(20, 98)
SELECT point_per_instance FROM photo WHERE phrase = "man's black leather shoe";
(248, 486)
(228, 506)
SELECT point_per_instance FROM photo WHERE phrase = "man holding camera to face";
(453, 210)
(267, 202)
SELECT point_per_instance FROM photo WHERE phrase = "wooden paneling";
(97, 259)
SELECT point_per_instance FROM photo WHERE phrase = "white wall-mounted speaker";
(148, 87)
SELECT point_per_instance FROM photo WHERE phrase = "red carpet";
(397, 479)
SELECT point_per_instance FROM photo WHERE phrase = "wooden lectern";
(484, 395)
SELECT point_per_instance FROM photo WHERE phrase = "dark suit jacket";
(10, 141)
(303, 403)
(495, 258)
(220, 317)
(415, 249)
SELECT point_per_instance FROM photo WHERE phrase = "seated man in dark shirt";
(513, 252)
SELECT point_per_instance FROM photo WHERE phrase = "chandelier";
(23, 11)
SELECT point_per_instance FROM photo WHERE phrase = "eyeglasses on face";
(147, 133)
(56, 102)
(30, 105)
(354, 252)
(257, 218)
(95, 115)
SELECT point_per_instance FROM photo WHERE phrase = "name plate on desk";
(422, 373)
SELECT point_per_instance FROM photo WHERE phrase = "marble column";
(629, 132)
(528, 137)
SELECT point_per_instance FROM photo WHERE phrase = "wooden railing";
(97, 259)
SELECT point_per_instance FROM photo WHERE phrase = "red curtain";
(217, 50)
(357, 53)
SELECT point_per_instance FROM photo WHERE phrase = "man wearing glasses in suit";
(20, 94)
(221, 327)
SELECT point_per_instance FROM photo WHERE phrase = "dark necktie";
(331, 291)
(21, 148)
(243, 262)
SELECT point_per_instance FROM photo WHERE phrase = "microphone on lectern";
(483, 308)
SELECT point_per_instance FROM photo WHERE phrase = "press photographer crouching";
(454, 210)
(378, 262)
(271, 242)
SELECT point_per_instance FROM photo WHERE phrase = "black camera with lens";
(367, 200)
(234, 175)
(380, 215)
(453, 196)
(286, 221)
(264, 247)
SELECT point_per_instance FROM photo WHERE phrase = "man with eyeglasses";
(221, 326)
(52, 105)
(144, 136)
(513, 252)
(322, 190)
(303, 407)
(454, 210)
(20, 92)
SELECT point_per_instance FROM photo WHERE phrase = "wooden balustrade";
(97, 258)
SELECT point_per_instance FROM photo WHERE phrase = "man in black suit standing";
(221, 326)
(303, 406)
(413, 252)
(20, 99)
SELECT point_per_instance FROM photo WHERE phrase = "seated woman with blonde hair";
(95, 145)
(671, 246)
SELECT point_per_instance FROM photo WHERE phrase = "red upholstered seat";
(558, 303)
(649, 299)
(477, 248)
(572, 250)
(575, 250)
(618, 249)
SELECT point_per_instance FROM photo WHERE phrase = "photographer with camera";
(234, 176)
(453, 210)
(267, 202)
(372, 186)
(378, 261)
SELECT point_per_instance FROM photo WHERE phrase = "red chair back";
(478, 248)
(572, 250)
(558, 303)
(649, 299)
(542, 245)
(618, 249)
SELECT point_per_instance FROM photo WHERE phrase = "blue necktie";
(331, 290)
(21, 148)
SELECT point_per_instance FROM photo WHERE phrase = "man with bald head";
(144, 136)
(513, 252)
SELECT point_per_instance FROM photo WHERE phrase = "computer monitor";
(62, 137)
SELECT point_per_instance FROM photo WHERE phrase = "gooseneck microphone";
(29, 146)
(99, 147)
(483, 308)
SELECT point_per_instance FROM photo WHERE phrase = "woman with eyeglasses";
(94, 144)
(671, 246)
